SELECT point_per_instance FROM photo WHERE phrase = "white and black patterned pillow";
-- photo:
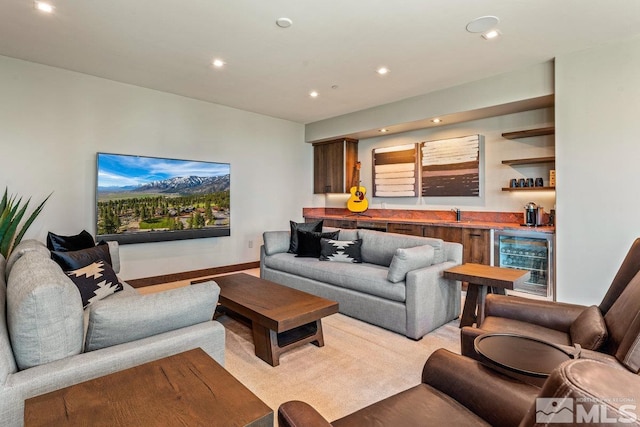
(341, 250)
(95, 281)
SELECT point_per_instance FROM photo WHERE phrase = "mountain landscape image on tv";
(150, 199)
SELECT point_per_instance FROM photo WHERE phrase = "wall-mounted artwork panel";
(451, 167)
(395, 171)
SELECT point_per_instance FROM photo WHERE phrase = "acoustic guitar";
(357, 201)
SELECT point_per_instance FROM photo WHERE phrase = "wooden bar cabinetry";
(476, 244)
(410, 229)
(333, 165)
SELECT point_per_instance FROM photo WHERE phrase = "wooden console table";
(481, 277)
(186, 389)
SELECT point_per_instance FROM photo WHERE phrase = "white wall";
(494, 175)
(52, 123)
(597, 149)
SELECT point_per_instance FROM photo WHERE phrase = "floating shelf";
(532, 161)
(529, 133)
(528, 188)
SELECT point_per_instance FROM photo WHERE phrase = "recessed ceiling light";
(491, 34)
(313, 94)
(382, 71)
(436, 120)
(218, 63)
(284, 22)
(43, 7)
(482, 24)
(383, 130)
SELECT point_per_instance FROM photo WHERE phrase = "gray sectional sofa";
(48, 341)
(416, 301)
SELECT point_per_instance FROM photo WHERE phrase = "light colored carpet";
(359, 364)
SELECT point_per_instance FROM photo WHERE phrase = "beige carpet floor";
(359, 364)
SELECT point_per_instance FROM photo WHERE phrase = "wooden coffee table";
(187, 389)
(481, 277)
(281, 317)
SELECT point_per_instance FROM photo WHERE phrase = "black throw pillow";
(72, 260)
(303, 226)
(95, 281)
(309, 242)
(80, 241)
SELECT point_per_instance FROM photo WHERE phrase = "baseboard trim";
(188, 275)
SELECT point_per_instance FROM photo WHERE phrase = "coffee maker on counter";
(533, 215)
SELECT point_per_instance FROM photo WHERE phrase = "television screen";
(150, 199)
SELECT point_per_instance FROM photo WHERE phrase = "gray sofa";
(412, 304)
(48, 341)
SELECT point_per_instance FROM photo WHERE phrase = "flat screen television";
(151, 199)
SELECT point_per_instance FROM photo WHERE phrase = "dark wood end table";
(281, 317)
(480, 278)
(531, 359)
(186, 389)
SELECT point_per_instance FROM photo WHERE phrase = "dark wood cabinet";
(333, 165)
(410, 229)
(339, 223)
(448, 234)
(476, 245)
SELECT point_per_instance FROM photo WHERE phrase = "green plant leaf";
(11, 214)
(30, 220)
(7, 241)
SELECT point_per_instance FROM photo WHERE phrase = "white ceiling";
(168, 45)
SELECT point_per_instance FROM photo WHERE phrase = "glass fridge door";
(527, 253)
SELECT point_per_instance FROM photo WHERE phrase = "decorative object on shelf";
(538, 183)
(357, 202)
(149, 199)
(10, 216)
(451, 167)
(395, 171)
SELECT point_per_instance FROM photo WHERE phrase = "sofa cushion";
(29, 245)
(83, 240)
(309, 242)
(44, 312)
(367, 278)
(379, 247)
(345, 233)
(589, 329)
(409, 259)
(276, 241)
(340, 250)
(95, 282)
(303, 226)
(115, 321)
(7, 361)
(72, 260)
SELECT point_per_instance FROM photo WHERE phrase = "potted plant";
(11, 214)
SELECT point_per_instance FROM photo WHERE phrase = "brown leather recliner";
(460, 391)
(609, 331)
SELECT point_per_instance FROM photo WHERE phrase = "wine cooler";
(527, 250)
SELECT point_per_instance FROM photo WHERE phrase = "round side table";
(530, 358)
